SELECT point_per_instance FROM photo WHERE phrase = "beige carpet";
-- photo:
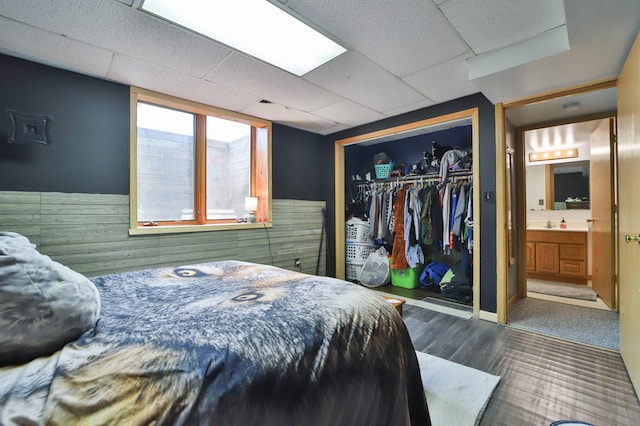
(457, 395)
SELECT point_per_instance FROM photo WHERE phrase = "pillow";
(43, 304)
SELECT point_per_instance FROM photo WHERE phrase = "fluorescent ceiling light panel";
(255, 27)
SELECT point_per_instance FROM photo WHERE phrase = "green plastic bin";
(406, 278)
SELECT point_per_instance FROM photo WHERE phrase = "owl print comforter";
(225, 343)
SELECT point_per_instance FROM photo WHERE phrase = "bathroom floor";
(583, 321)
(598, 304)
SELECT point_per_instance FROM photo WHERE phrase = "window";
(193, 165)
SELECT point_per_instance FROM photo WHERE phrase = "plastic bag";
(375, 269)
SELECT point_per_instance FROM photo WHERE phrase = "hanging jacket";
(426, 221)
(446, 211)
(436, 218)
(398, 259)
(413, 250)
(469, 221)
(449, 158)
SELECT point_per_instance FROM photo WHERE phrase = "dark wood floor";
(542, 379)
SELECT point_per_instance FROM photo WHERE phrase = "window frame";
(260, 166)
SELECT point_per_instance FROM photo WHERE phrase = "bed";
(221, 343)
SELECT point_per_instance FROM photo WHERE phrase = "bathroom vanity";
(557, 255)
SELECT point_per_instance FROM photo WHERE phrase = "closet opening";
(426, 170)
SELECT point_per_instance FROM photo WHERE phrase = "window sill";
(178, 229)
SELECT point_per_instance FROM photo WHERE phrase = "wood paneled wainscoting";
(90, 234)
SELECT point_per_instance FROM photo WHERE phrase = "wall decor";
(29, 128)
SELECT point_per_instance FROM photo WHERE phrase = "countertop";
(571, 226)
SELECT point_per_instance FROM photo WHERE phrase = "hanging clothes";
(426, 222)
(398, 258)
(458, 217)
(373, 210)
(469, 221)
(446, 222)
(436, 218)
(454, 206)
(413, 250)
(415, 217)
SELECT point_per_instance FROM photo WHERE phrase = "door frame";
(339, 190)
(502, 254)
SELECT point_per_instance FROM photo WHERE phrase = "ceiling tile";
(248, 75)
(492, 24)
(402, 39)
(149, 76)
(445, 81)
(337, 128)
(350, 113)
(23, 41)
(408, 108)
(290, 117)
(362, 81)
(115, 26)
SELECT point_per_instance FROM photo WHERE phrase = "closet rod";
(466, 174)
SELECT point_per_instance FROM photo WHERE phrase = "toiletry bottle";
(563, 224)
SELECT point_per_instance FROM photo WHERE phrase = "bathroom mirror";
(558, 186)
(569, 186)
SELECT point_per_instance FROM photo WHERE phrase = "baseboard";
(488, 316)
(513, 300)
(431, 306)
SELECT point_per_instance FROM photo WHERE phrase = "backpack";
(433, 273)
(455, 285)
(457, 292)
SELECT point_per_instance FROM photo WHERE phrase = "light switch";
(489, 197)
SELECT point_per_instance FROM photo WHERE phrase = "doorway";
(543, 134)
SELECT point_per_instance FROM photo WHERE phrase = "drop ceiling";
(401, 56)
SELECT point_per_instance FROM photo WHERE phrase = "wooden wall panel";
(20, 212)
(89, 233)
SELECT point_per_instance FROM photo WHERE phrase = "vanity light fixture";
(255, 27)
(558, 154)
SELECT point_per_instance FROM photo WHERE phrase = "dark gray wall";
(89, 132)
(487, 161)
(299, 164)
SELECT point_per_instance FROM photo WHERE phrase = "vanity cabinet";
(547, 260)
(557, 255)
(531, 256)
